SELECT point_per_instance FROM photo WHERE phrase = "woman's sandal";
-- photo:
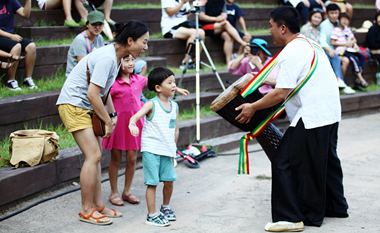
(14, 58)
(94, 220)
(116, 201)
(130, 198)
(115, 215)
(7, 65)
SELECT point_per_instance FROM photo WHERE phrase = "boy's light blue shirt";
(325, 37)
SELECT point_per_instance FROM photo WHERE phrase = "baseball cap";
(261, 43)
(95, 17)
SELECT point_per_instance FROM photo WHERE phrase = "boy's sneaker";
(29, 83)
(169, 214)
(13, 85)
(348, 90)
(159, 220)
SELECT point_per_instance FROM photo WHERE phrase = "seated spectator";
(87, 41)
(312, 29)
(15, 44)
(174, 24)
(343, 5)
(234, 14)
(10, 58)
(372, 40)
(140, 65)
(66, 4)
(253, 59)
(327, 26)
(213, 17)
(345, 42)
(305, 6)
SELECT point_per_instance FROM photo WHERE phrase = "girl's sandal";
(15, 58)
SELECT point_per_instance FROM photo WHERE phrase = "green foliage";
(263, 177)
(44, 84)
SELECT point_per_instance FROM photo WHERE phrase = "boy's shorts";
(157, 168)
(75, 118)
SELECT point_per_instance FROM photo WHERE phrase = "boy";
(345, 42)
(158, 143)
(234, 14)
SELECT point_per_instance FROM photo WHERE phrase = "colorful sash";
(253, 85)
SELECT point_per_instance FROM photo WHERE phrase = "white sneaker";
(348, 90)
(341, 84)
(13, 85)
(284, 226)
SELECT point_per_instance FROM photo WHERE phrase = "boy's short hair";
(332, 7)
(288, 16)
(344, 15)
(158, 76)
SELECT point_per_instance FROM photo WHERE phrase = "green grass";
(356, 5)
(43, 23)
(66, 140)
(187, 114)
(372, 87)
(45, 84)
(40, 42)
(136, 6)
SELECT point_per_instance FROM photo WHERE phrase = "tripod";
(198, 41)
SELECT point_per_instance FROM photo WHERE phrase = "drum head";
(230, 93)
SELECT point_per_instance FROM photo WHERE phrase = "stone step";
(254, 17)
(51, 58)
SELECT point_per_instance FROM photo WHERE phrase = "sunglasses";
(318, 10)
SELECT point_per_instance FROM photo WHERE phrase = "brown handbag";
(98, 125)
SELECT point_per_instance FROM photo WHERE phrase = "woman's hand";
(182, 91)
(109, 129)
(114, 121)
(247, 51)
(16, 37)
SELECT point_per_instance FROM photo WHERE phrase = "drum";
(228, 100)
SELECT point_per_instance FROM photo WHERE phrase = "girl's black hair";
(134, 29)
(158, 76)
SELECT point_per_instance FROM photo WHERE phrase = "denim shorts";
(157, 168)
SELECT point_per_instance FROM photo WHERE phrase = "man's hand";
(247, 112)
(332, 53)
(16, 37)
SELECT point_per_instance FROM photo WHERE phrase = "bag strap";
(88, 81)
(88, 41)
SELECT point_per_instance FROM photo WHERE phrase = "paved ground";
(214, 199)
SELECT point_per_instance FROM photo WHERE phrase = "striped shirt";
(158, 134)
(341, 36)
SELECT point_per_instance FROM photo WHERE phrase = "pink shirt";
(244, 68)
(126, 100)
